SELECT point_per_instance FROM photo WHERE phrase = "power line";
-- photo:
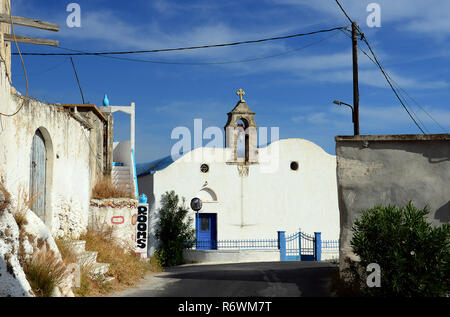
(219, 62)
(78, 80)
(78, 52)
(340, 6)
(377, 62)
(397, 86)
(389, 81)
(417, 104)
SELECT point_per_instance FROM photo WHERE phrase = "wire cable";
(78, 52)
(389, 81)
(219, 63)
(397, 86)
(345, 13)
(377, 62)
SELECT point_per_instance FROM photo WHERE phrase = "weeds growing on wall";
(414, 256)
(6, 198)
(44, 271)
(24, 203)
(105, 189)
(175, 231)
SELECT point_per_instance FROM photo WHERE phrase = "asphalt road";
(269, 279)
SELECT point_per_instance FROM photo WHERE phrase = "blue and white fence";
(298, 246)
(253, 244)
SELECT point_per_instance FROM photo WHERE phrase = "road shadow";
(312, 279)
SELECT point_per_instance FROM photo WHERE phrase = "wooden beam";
(32, 23)
(30, 40)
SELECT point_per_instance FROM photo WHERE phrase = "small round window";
(294, 166)
(204, 168)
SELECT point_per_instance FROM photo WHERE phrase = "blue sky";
(293, 91)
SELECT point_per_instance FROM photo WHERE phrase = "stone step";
(121, 179)
(108, 279)
(87, 258)
(78, 246)
(120, 168)
(99, 269)
(122, 183)
(127, 171)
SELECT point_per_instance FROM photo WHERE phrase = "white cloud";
(415, 16)
(378, 118)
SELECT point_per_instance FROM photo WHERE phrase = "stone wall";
(391, 169)
(118, 213)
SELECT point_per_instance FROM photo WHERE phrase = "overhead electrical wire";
(81, 53)
(219, 62)
(377, 62)
(398, 87)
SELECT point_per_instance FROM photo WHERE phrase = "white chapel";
(249, 192)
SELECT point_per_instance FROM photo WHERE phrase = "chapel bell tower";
(241, 133)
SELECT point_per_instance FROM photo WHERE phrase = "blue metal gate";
(299, 246)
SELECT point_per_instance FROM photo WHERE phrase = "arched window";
(242, 140)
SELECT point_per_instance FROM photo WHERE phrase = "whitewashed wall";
(68, 184)
(264, 202)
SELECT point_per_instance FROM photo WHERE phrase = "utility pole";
(355, 78)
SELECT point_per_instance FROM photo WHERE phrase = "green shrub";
(413, 255)
(174, 232)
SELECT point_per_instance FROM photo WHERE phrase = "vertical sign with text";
(142, 230)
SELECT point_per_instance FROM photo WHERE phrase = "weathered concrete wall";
(120, 214)
(68, 180)
(391, 169)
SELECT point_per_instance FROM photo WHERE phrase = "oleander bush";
(413, 255)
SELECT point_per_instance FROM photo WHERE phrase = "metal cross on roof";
(241, 93)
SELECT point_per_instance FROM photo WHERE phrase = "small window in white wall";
(294, 165)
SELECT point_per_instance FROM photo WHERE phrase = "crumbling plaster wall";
(68, 155)
(391, 169)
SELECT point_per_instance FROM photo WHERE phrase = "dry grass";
(24, 203)
(66, 250)
(105, 189)
(125, 267)
(4, 204)
(44, 272)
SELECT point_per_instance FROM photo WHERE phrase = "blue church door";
(207, 231)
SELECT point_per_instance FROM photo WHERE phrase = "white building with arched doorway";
(285, 186)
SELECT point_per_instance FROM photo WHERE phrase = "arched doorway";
(38, 175)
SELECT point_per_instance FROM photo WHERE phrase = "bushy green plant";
(414, 256)
(175, 231)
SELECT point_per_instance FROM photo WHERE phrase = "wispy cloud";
(413, 16)
(377, 118)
